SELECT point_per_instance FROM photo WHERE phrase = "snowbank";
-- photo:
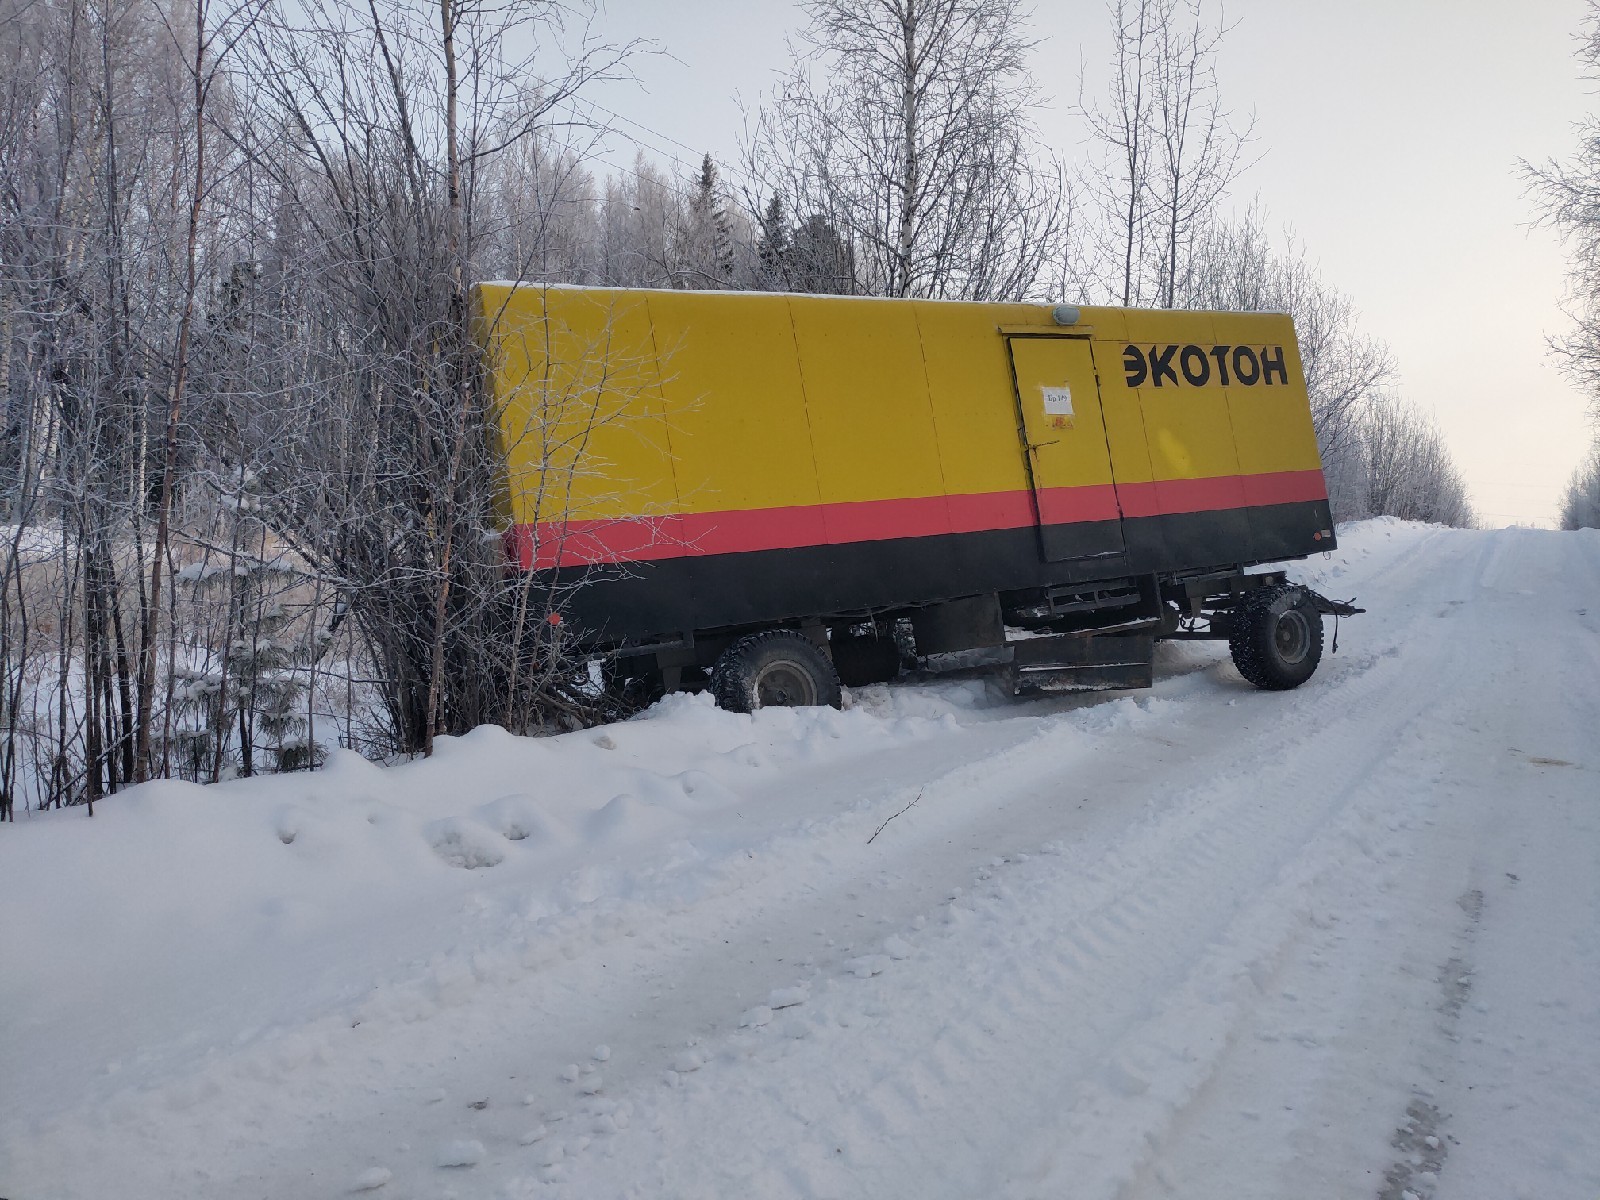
(1202, 940)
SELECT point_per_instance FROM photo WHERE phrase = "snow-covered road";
(1201, 942)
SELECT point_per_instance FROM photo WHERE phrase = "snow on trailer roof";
(514, 284)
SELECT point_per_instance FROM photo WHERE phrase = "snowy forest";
(247, 506)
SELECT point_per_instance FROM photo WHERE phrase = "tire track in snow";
(1098, 936)
(1104, 933)
(1371, 986)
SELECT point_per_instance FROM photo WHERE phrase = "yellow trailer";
(692, 471)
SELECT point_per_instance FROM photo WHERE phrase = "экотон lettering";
(1200, 366)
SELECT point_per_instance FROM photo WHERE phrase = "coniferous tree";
(772, 247)
(707, 249)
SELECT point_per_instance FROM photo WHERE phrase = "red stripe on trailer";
(735, 531)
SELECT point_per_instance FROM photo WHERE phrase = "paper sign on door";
(1058, 406)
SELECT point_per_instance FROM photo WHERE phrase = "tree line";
(1568, 195)
(247, 477)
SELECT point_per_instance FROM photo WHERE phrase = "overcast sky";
(1389, 132)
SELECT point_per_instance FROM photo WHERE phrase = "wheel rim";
(1291, 637)
(785, 683)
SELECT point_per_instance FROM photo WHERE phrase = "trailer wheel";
(778, 668)
(1276, 637)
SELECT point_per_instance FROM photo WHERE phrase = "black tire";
(778, 667)
(1275, 637)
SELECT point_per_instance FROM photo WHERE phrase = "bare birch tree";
(1568, 194)
(205, 45)
(1120, 181)
(905, 126)
(1169, 150)
(92, 250)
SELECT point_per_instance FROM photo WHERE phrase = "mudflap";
(1081, 663)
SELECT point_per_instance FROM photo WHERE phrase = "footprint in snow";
(461, 844)
(464, 1152)
(515, 818)
(371, 1179)
(867, 965)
